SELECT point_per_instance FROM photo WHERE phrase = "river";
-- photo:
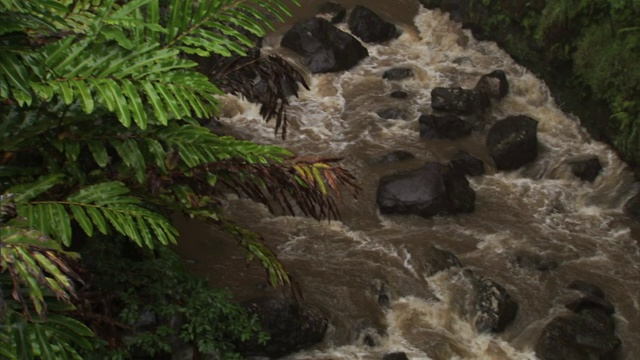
(539, 210)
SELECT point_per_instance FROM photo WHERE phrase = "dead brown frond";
(269, 81)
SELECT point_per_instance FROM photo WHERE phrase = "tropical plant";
(99, 102)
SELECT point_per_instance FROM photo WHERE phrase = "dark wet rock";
(395, 356)
(591, 302)
(443, 127)
(468, 164)
(393, 156)
(586, 288)
(436, 260)
(576, 338)
(459, 101)
(391, 113)
(632, 207)
(291, 325)
(587, 168)
(323, 47)
(370, 27)
(494, 308)
(335, 11)
(513, 142)
(531, 261)
(434, 189)
(494, 85)
(399, 73)
(399, 94)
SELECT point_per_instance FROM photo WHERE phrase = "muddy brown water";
(342, 265)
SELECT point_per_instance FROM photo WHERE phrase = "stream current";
(539, 210)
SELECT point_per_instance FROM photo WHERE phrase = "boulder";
(334, 11)
(459, 101)
(494, 308)
(587, 168)
(399, 73)
(468, 164)
(443, 127)
(586, 333)
(399, 355)
(437, 260)
(494, 85)
(513, 142)
(434, 189)
(323, 47)
(291, 325)
(370, 27)
(576, 337)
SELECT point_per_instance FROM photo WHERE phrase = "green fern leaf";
(44, 345)
(132, 157)
(98, 220)
(16, 77)
(80, 216)
(99, 194)
(26, 192)
(139, 115)
(99, 152)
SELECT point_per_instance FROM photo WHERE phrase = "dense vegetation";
(101, 105)
(586, 50)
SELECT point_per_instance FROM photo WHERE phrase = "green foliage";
(75, 76)
(182, 309)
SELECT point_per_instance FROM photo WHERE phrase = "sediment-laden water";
(342, 266)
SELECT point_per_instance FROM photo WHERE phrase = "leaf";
(100, 193)
(98, 220)
(46, 352)
(99, 152)
(132, 157)
(139, 115)
(82, 219)
(85, 95)
(60, 223)
(74, 325)
(26, 192)
(21, 340)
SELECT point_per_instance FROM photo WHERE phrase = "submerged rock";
(435, 189)
(443, 127)
(370, 27)
(291, 325)
(586, 168)
(632, 207)
(391, 113)
(513, 142)
(393, 156)
(437, 260)
(399, 73)
(323, 47)
(395, 356)
(399, 94)
(468, 164)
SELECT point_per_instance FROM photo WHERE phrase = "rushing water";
(539, 209)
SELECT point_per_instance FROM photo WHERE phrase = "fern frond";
(35, 261)
(256, 249)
